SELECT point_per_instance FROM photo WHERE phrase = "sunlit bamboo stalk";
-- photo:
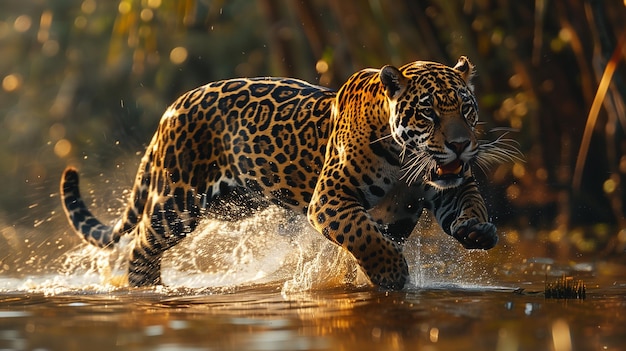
(603, 87)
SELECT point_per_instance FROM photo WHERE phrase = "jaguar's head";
(433, 115)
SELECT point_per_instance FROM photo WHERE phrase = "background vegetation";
(84, 82)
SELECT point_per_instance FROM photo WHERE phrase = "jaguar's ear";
(466, 69)
(394, 82)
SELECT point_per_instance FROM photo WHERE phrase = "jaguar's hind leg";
(144, 264)
(143, 269)
(165, 228)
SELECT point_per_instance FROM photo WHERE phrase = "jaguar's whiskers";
(380, 139)
(419, 164)
(501, 150)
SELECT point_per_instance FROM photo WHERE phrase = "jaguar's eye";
(467, 110)
(429, 113)
(425, 108)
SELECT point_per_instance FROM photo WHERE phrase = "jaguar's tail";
(83, 221)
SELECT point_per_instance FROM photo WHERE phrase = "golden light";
(516, 122)
(434, 334)
(512, 236)
(609, 186)
(515, 81)
(508, 104)
(556, 45)
(321, 66)
(11, 82)
(561, 337)
(62, 148)
(88, 6)
(565, 34)
(542, 174)
(497, 37)
(521, 109)
(154, 3)
(513, 192)
(22, 23)
(376, 333)
(124, 7)
(518, 170)
(44, 26)
(556, 236)
(80, 22)
(178, 55)
(146, 15)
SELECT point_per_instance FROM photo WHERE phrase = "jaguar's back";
(268, 135)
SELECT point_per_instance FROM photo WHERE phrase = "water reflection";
(261, 318)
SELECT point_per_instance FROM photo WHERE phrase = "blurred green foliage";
(84, 82)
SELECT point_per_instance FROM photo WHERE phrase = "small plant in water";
(565, 288)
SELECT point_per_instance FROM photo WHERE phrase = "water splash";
(437, 260)
(85, 268)
(251, 251)
(274, 248)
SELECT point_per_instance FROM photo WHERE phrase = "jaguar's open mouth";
(450, 170)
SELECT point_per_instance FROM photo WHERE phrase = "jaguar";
(361, 163)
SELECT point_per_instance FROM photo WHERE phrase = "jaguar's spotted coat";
(361, 163)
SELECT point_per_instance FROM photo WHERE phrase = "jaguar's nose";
(458, 147)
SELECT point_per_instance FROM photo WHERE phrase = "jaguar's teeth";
(447, 169)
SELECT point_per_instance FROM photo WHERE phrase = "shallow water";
(273, 284)
(261, 318)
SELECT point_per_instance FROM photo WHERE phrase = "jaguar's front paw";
(475, 235)
(389, 275)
